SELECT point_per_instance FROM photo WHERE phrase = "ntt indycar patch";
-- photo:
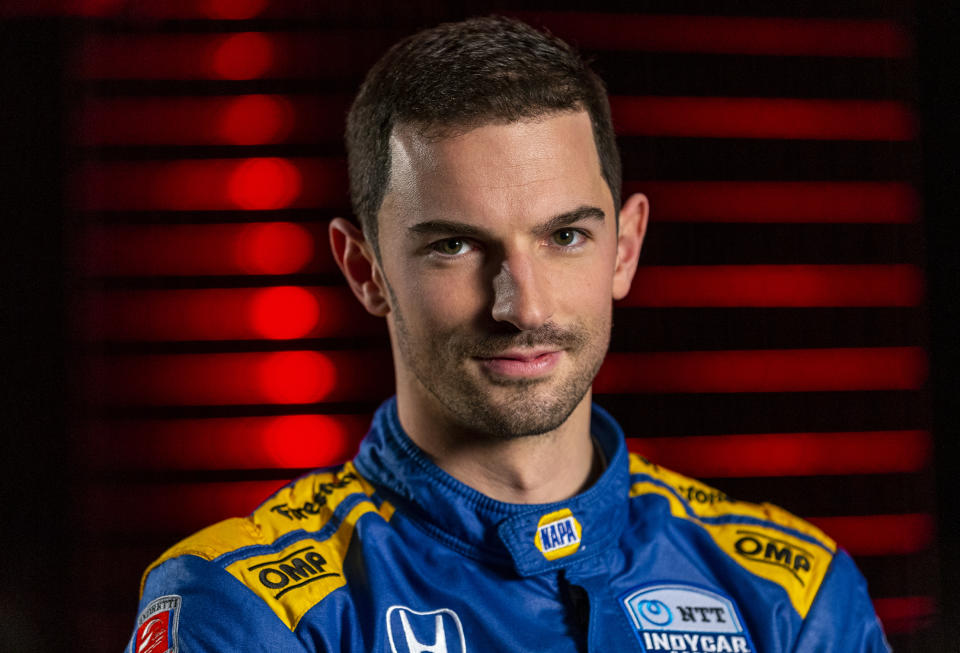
(681, 617)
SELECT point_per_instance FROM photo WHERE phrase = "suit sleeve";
(842, 618)
(191, 605)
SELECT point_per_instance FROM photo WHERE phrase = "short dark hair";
(458, 76)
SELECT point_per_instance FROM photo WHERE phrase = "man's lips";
(522, 363)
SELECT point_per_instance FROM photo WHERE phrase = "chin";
(521, 413)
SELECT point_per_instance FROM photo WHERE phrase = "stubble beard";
(496, 407)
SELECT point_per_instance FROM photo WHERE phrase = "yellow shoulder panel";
(764, 549)
(209, 543)
(295, 578)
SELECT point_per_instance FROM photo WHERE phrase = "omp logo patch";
(763, 548)
(293, 570)
(157, 626)
(293, 580)
(558, 534)
(436, 631)
(677, 617)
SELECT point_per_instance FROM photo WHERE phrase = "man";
(492, 506)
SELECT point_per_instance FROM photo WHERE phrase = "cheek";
(586, 290)
(440, 301)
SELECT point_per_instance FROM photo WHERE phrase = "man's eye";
(567, 237)
(451, 246)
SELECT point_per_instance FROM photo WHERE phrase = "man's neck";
(531, 469)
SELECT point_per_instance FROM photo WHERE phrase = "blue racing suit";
(390, 553)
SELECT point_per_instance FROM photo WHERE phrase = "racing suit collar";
(531, 538)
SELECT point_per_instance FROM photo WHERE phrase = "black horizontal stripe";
(733, 159)
(625, 73)
(829, 496)
(688, 243)
(342, 84)
(641, 330)
(667, 243)
(133, 477)
(308, 215)
(688, 329)
(332, 147)
(184, 282)
(649, 158)
(660, 415)
(651, 415)
(125, 348)
(722, 75)
(249, 410)
(786, 8)
(900, 575)
(927, 637)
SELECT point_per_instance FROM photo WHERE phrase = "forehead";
(495, 174)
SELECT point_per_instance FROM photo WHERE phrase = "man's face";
(499, 247)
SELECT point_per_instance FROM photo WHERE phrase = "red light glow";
(242, 56)
(288, 441)
(296, 377)
(287, 377)
(879, 535)
(778, 118)
(240, 120)
(791, 201)
(772, 370)
(211, 185)
(905, 614)
(217, 120)
(789, 454)
(256, 119)
(273, 248)
(262, 184)
(776, 285)
(208, 249)
(727, 34)
(284, 312)
(292, 440)
(227, 314)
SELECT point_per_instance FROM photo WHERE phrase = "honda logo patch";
(436, 631)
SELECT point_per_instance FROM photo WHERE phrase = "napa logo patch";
(681, 617)
(558, 534)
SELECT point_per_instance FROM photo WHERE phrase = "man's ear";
(359, 265)
(633, 227)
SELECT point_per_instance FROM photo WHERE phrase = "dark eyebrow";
(454, 228)
(446, 227)
(569, 218)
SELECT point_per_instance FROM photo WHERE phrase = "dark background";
(41, 599)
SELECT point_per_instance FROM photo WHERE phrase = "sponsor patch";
(157, 626)
(680, 617)
(294, 579)
(558, 534)
(754, 545)
(436, 631)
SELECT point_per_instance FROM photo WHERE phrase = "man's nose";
(520, 295)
